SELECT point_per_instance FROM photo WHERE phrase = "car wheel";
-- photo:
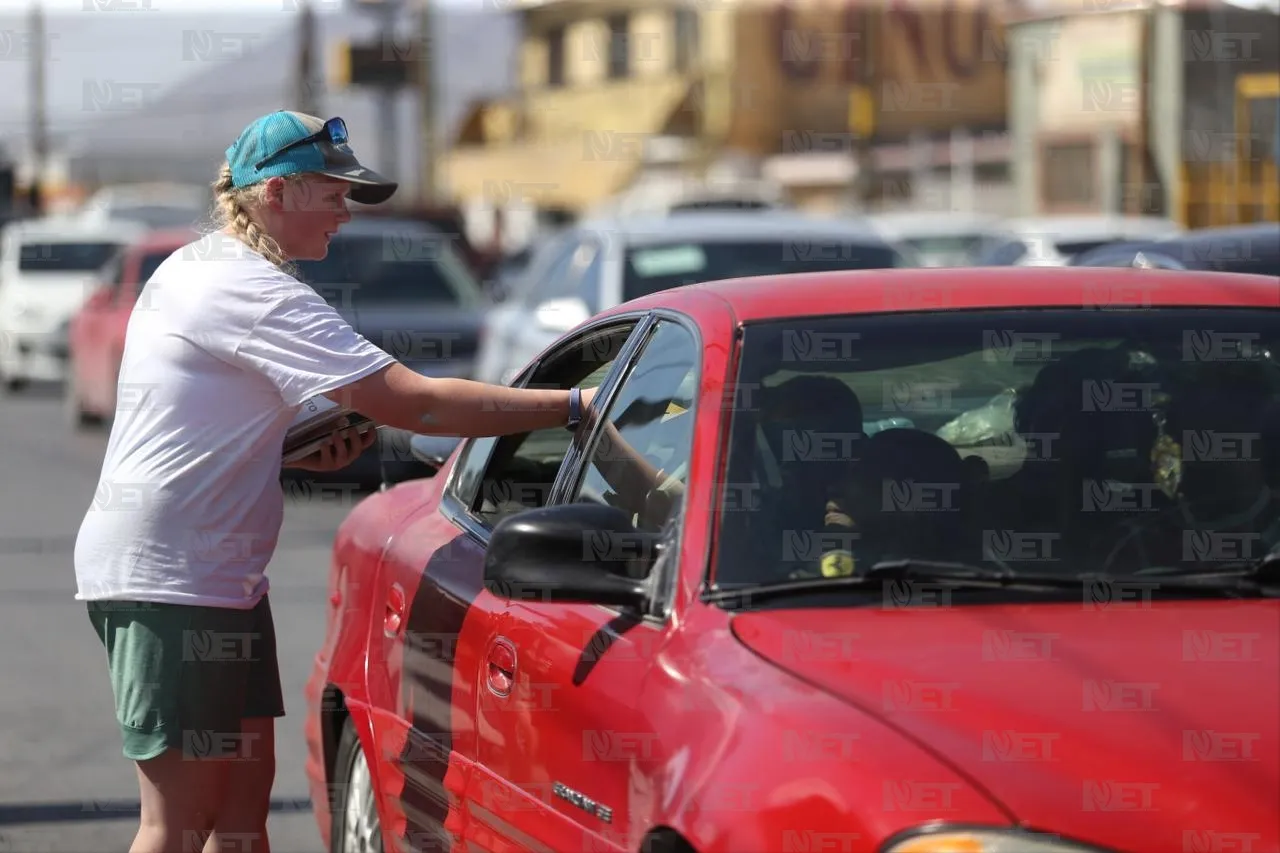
(355, 826)
(14, 384)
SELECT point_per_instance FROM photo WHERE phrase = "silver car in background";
(601, 263)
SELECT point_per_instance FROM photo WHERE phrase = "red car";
(963, 561)
(96, 334)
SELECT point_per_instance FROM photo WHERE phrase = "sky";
(18, 6)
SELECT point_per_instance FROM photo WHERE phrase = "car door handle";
(393, 619)
(501, 667)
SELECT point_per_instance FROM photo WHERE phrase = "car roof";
(377, 226)
(925, 290)
(720, 225)
(1254, 231)
(1092, 227)
(58, 229)
(905, 225)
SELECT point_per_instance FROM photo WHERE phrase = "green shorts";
(184, 677)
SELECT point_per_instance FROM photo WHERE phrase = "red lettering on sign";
(962, 65)
(857, 62)
(904, 13)
(800, 59)
(961, 68)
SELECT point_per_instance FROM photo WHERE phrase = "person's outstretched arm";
(398, 397)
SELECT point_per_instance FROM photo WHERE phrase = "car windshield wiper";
(971, 576)
(1257, 573)
(962, 575)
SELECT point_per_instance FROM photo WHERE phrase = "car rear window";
(653, 268)
(65, 256)
(392, 268)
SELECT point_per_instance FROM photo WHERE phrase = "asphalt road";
(64, 785)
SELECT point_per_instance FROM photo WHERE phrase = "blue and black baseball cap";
(287, 143)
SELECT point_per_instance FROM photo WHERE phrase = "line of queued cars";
(976, 240)
(411, 288)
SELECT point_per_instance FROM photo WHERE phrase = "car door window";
(640, 456)
(500, 476)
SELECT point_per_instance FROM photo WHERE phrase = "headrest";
(912, 454)
(823, 401)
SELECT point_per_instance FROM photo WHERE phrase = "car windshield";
(394, 268)
(654, 267)
(1058, 442)
(65, 256)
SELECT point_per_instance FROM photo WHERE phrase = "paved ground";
(64, 786)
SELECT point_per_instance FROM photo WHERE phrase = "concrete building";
(801, 96)
(1168, 108)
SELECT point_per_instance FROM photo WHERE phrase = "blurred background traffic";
(558, 157)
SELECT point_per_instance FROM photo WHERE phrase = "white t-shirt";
(221, 351)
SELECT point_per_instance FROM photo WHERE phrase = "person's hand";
(588, 394)
(342, 448)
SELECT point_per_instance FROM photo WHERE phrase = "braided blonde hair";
(231, 210)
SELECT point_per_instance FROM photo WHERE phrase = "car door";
(566, 699)
(440, 622)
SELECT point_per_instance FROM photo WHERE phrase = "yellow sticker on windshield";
(838, 564)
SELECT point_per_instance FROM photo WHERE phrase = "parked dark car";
(401, 284)
(1251, 249)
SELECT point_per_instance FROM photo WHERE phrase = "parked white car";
(156, 205)
(939, 239)
(1051, 241)
(601, 263)
(48, 268)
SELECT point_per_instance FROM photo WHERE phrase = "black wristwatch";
(575, 409)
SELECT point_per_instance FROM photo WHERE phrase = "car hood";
(1160, 716)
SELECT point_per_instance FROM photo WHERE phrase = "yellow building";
(1136, 107)
(797, 87)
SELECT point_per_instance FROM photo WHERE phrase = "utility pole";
(39, 122)
(387, 92)
(307, 96)
(427, 103)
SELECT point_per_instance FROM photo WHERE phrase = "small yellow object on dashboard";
(838, 564)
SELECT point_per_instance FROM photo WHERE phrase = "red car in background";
(96, 334)
(962, 561)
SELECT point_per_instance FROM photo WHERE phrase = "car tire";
(354, 823)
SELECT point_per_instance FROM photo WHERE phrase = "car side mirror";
(582, 553)
(562, 315)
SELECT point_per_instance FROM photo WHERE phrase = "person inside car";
(1090, 440)
(1224, 420)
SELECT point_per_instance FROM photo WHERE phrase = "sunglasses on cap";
(333, 131)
